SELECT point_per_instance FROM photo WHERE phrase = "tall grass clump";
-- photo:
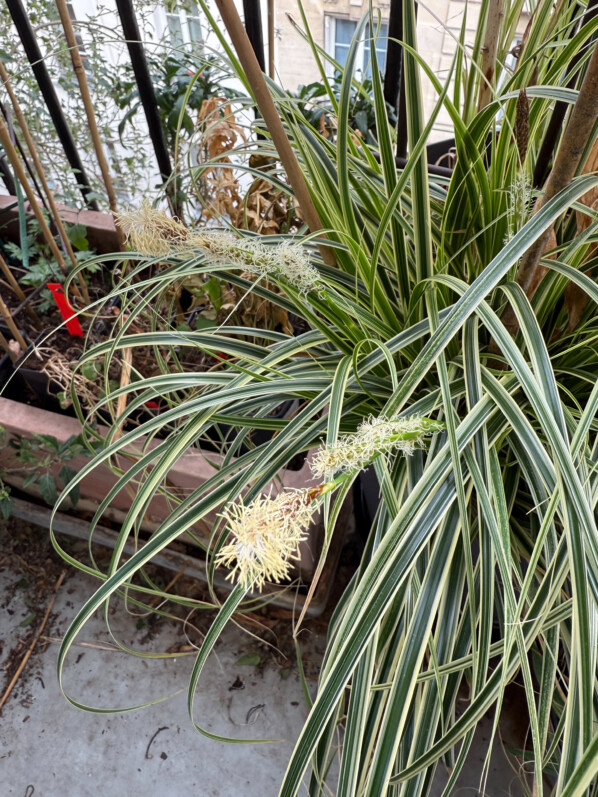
(470, 392)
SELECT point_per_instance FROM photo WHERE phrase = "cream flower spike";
(266, 535)
(153, 233)
(374, 436)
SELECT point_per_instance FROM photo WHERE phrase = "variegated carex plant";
(481, 565)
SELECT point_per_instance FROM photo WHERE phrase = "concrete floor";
(48, 748)
(52, 749)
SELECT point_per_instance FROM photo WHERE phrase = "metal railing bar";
(44, 81)
(147, 96)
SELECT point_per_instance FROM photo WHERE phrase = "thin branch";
(79, 70)
(34, 642)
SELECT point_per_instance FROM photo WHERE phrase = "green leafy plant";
(37, 458)
(314, 102)
(481, 565)
(36, 264)
(182, 81)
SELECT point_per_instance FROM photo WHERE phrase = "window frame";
(330, 44)
(186, 20)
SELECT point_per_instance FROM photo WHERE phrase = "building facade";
(332, 24)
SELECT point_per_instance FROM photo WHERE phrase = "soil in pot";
(49, 366)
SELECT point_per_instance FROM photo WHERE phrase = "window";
(183, 24)
(381, 44)
(339, 34)
(343, 33)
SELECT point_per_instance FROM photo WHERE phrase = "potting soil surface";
(49, 748)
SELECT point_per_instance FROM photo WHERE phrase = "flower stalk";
(265, 535)
(374, 436)
(153, 233)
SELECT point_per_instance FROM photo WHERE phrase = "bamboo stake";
(22, 178)
(576, 136)
(34, 642)
(5, 312)
(125, 381)
(89, 112)
(42, 176)
(265, 103)
(4, 344)
(567, 160)
(489, 50)
(20, 293)
(271, 39)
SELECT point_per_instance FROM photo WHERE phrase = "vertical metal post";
(402, 109)
(38, 66)
(130, 28)
(394, 55)
(253, 26)
(402, 121)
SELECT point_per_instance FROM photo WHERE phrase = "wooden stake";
(5, 345)
(271, 39)
(489, 50)
(5, 312)
(13, 157)
(266, 106)
(89, 112)
(568, 157)
(40, 171)
(19, 293)
(34, 642)
(125, 380)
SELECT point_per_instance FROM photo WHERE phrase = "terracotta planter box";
(191, 470)
(100, 227)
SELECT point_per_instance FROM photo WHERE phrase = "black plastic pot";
(442, 153)
(366, 500)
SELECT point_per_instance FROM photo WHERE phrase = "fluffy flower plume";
(153, 233)
(266, 535)
(374, 436)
